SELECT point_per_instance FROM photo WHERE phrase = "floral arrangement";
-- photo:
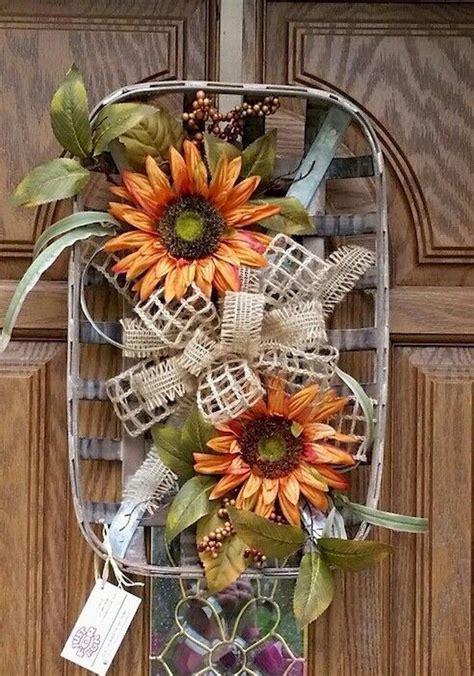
(235, 374)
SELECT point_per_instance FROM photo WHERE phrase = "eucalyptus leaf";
(271, 538)
(293, 219)
(72, 222)
(189, 505)
(54, 180)
(153, 135)
(70, 115)
(366, 406)
(258, 158)
(196, 433)
(45, 259)
(314, 588)
(116, 119)
(167, 444)
(230, 563)
(353, 555)
(119, 155)
(390, 520)
(216, 148)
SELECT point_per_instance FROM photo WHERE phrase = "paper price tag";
(100, 628)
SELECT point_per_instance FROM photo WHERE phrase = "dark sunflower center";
(191, 227)
(269, 445)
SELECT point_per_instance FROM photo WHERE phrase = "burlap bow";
(220, 356)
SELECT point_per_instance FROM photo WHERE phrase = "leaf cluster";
(87, 142)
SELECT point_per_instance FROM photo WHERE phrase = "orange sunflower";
(189, 230)
(278, 450)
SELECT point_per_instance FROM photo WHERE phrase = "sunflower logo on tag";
(86, 641)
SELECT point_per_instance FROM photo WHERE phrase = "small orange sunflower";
(278, 450)
(189, 230)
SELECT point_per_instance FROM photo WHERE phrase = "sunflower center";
(269, 445)
(191, 227)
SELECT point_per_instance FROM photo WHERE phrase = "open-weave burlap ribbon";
(220, 356)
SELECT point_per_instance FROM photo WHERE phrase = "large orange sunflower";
(278, 450)
(189, 230)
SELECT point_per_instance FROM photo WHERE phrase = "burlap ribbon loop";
(274, 325)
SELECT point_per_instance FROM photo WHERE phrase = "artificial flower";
(279, 450)
(188, 230)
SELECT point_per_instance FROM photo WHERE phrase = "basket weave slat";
(329, 225)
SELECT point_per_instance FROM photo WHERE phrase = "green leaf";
(366, 406)
(258, 158)
(70, 115)
(72, 222)
(293, 218)
(55, 180)
(196, 433)
(353, 555)
(216, 148)
(152, 136)
(269, 537)
(398, 522)
(167, 443)
(314, 588)
(119, 155)
(189, 505)
(116, 119)
(36, 269)
(231, 563)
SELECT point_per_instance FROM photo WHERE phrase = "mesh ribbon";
(274, 326)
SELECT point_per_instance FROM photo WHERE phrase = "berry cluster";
(212, 542)
(204, 112)
(278, 518)
(258, 557)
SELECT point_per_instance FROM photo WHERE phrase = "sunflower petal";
(196, 169)
(315, 496)
(130, 240)
(253, 484)
(226, 277)
(179, 172)
(290, 488)
(133, 216)
(290, 511)
(276, 397)
(221, 444)
(324, 453)
(227, 483)
(207, 463)
(300, 400)
(158, 181)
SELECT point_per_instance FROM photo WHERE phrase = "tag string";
(110, 562)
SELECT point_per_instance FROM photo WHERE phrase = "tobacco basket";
(348, 206)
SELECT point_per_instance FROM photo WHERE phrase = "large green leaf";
(314, 588)
(195, 434)
(366, 406)
(36, 269)
(153, 136)
(116, 119)
(70, 115)
(293, 219)
(72, 222)
(258, 158)
(269, 537)
(55, 180)
(230, 563)
(189, 505)
(398, 522)
(168, 447)
(353, 555)
(216, 148)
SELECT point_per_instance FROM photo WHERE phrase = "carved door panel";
(46, 568)
(410, 67)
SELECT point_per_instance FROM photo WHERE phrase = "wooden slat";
(100, 512)
(100, 449)
(353, 339)
(89, 335)
(351, 167)
(329, 225)
(91, 389)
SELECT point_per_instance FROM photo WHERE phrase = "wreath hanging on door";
(234, 368)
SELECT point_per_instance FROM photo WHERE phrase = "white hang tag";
(101, 627)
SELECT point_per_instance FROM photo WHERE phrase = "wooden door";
(410, 67)
(46, 567)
